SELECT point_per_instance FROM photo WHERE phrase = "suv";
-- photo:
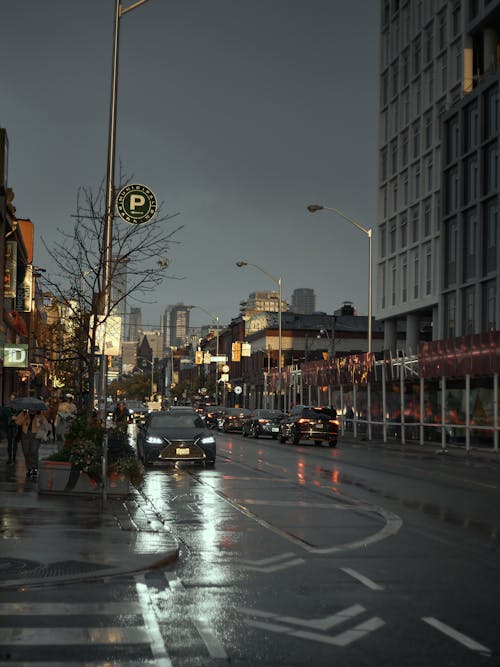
(307, 422)
(232, 419)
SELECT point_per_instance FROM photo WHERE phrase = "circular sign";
(136, 204)
(225, 368)
(238, 390)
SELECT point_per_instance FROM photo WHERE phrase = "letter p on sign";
(136, 204)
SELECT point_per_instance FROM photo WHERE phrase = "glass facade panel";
(490, 237)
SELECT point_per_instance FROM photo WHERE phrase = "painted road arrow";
(276, 623)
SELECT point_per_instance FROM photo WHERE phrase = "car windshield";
(269, 414)
(176, 420)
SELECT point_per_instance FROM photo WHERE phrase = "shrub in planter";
(83, 446)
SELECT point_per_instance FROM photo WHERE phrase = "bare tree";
(76, 280)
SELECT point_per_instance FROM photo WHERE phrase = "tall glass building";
(438, 231)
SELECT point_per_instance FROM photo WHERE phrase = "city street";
(291, 556)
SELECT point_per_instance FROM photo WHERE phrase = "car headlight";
(209, 440)
(154, 440)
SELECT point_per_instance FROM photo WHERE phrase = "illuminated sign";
(15, 355)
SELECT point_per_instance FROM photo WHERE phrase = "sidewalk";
(56, 538)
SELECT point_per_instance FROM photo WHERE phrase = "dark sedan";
(263, 422)
(307, 422)
(177, 435)
(232, 419)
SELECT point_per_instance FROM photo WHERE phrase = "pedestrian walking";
(11, 431)
(120, 413)
(29, 423)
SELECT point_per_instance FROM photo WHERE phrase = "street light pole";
(313, 208)
(278, 282)
(109, 211)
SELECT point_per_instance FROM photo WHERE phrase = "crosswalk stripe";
(73, 636)
(65, 609)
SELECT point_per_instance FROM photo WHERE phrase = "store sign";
(15, 355)
(10, 271)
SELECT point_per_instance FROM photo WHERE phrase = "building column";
(412, 328)
(390, 335)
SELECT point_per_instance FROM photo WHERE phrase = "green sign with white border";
(136, 204)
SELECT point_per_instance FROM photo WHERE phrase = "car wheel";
(244, 433)
(332, 443)
(255, 432)
(210, 463)
(295, 438)
(318, 443)
(282, 438)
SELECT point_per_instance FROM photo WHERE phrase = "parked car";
(212, 414)
(137, 410)
(307, 422)
(263, 422)
(176, 435)
(232, 419)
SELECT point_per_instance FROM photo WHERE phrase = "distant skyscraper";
(135, 323)
(265, 302)
(119, 293)
(175, 325)
(303, 301)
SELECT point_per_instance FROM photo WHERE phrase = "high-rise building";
(135, 324)
(303, 301)
(265, 301)
(119, 293)
(175, 325)
(438, 232)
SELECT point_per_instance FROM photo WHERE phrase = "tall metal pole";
(280, 342)
(313, 208)
(108, 220)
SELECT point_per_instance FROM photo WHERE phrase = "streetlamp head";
(241, 263)
(313, 208)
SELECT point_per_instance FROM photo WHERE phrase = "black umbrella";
(28, 403)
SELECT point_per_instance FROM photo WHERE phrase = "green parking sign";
(136, 204)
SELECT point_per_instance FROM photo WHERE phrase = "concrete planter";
(58, 477)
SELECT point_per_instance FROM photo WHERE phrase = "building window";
(393, 282)
(404, 149)
(489, 306)
(405, 67)
(444, 73)
(430, 86)
(428, 168)
(470, 245)
(415, 225)
(490, 183)
(384, 286)
(451, 190)
(442, 30)
(404, 279)
(404, 231)
(450, 313)
(452, 139)
(456, 19)
(406, 188)
(394, 79)
(392, 241)
(405, 101)
(416, 274)
(451, 253)
(427, 218)
(416, 139)
(471, 127)
(417, 55)
(383, 163)
(491, 113)
(395, 196)
(428, 129)
(468, 311)
(385, 89)
(383, 240)
(417, 182)
(418, 98)
(429, 43)
(428, 270)
(394, 157)
(470, 189)
(490, 237)
(385, 202)
(473, 9)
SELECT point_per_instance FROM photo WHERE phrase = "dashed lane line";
(471, 644)
(362, 579)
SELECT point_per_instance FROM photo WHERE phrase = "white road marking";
(64, 609)
(361, 578)
(74, 636)
(214, 646)
(456, 635)
(174, 582)
(276, 567)
(158, 648)
(268, 561)
(343, 639)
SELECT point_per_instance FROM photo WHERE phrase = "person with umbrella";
(29, 421)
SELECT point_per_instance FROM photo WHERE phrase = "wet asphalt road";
(292, 556)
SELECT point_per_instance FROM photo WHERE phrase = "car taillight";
(333, 421)
(303, 421)
(263, 421)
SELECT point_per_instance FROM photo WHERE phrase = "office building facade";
(303, 301)
(438, 248)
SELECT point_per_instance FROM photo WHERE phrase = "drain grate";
(13, 568)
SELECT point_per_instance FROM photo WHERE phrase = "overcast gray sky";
(236, 113)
